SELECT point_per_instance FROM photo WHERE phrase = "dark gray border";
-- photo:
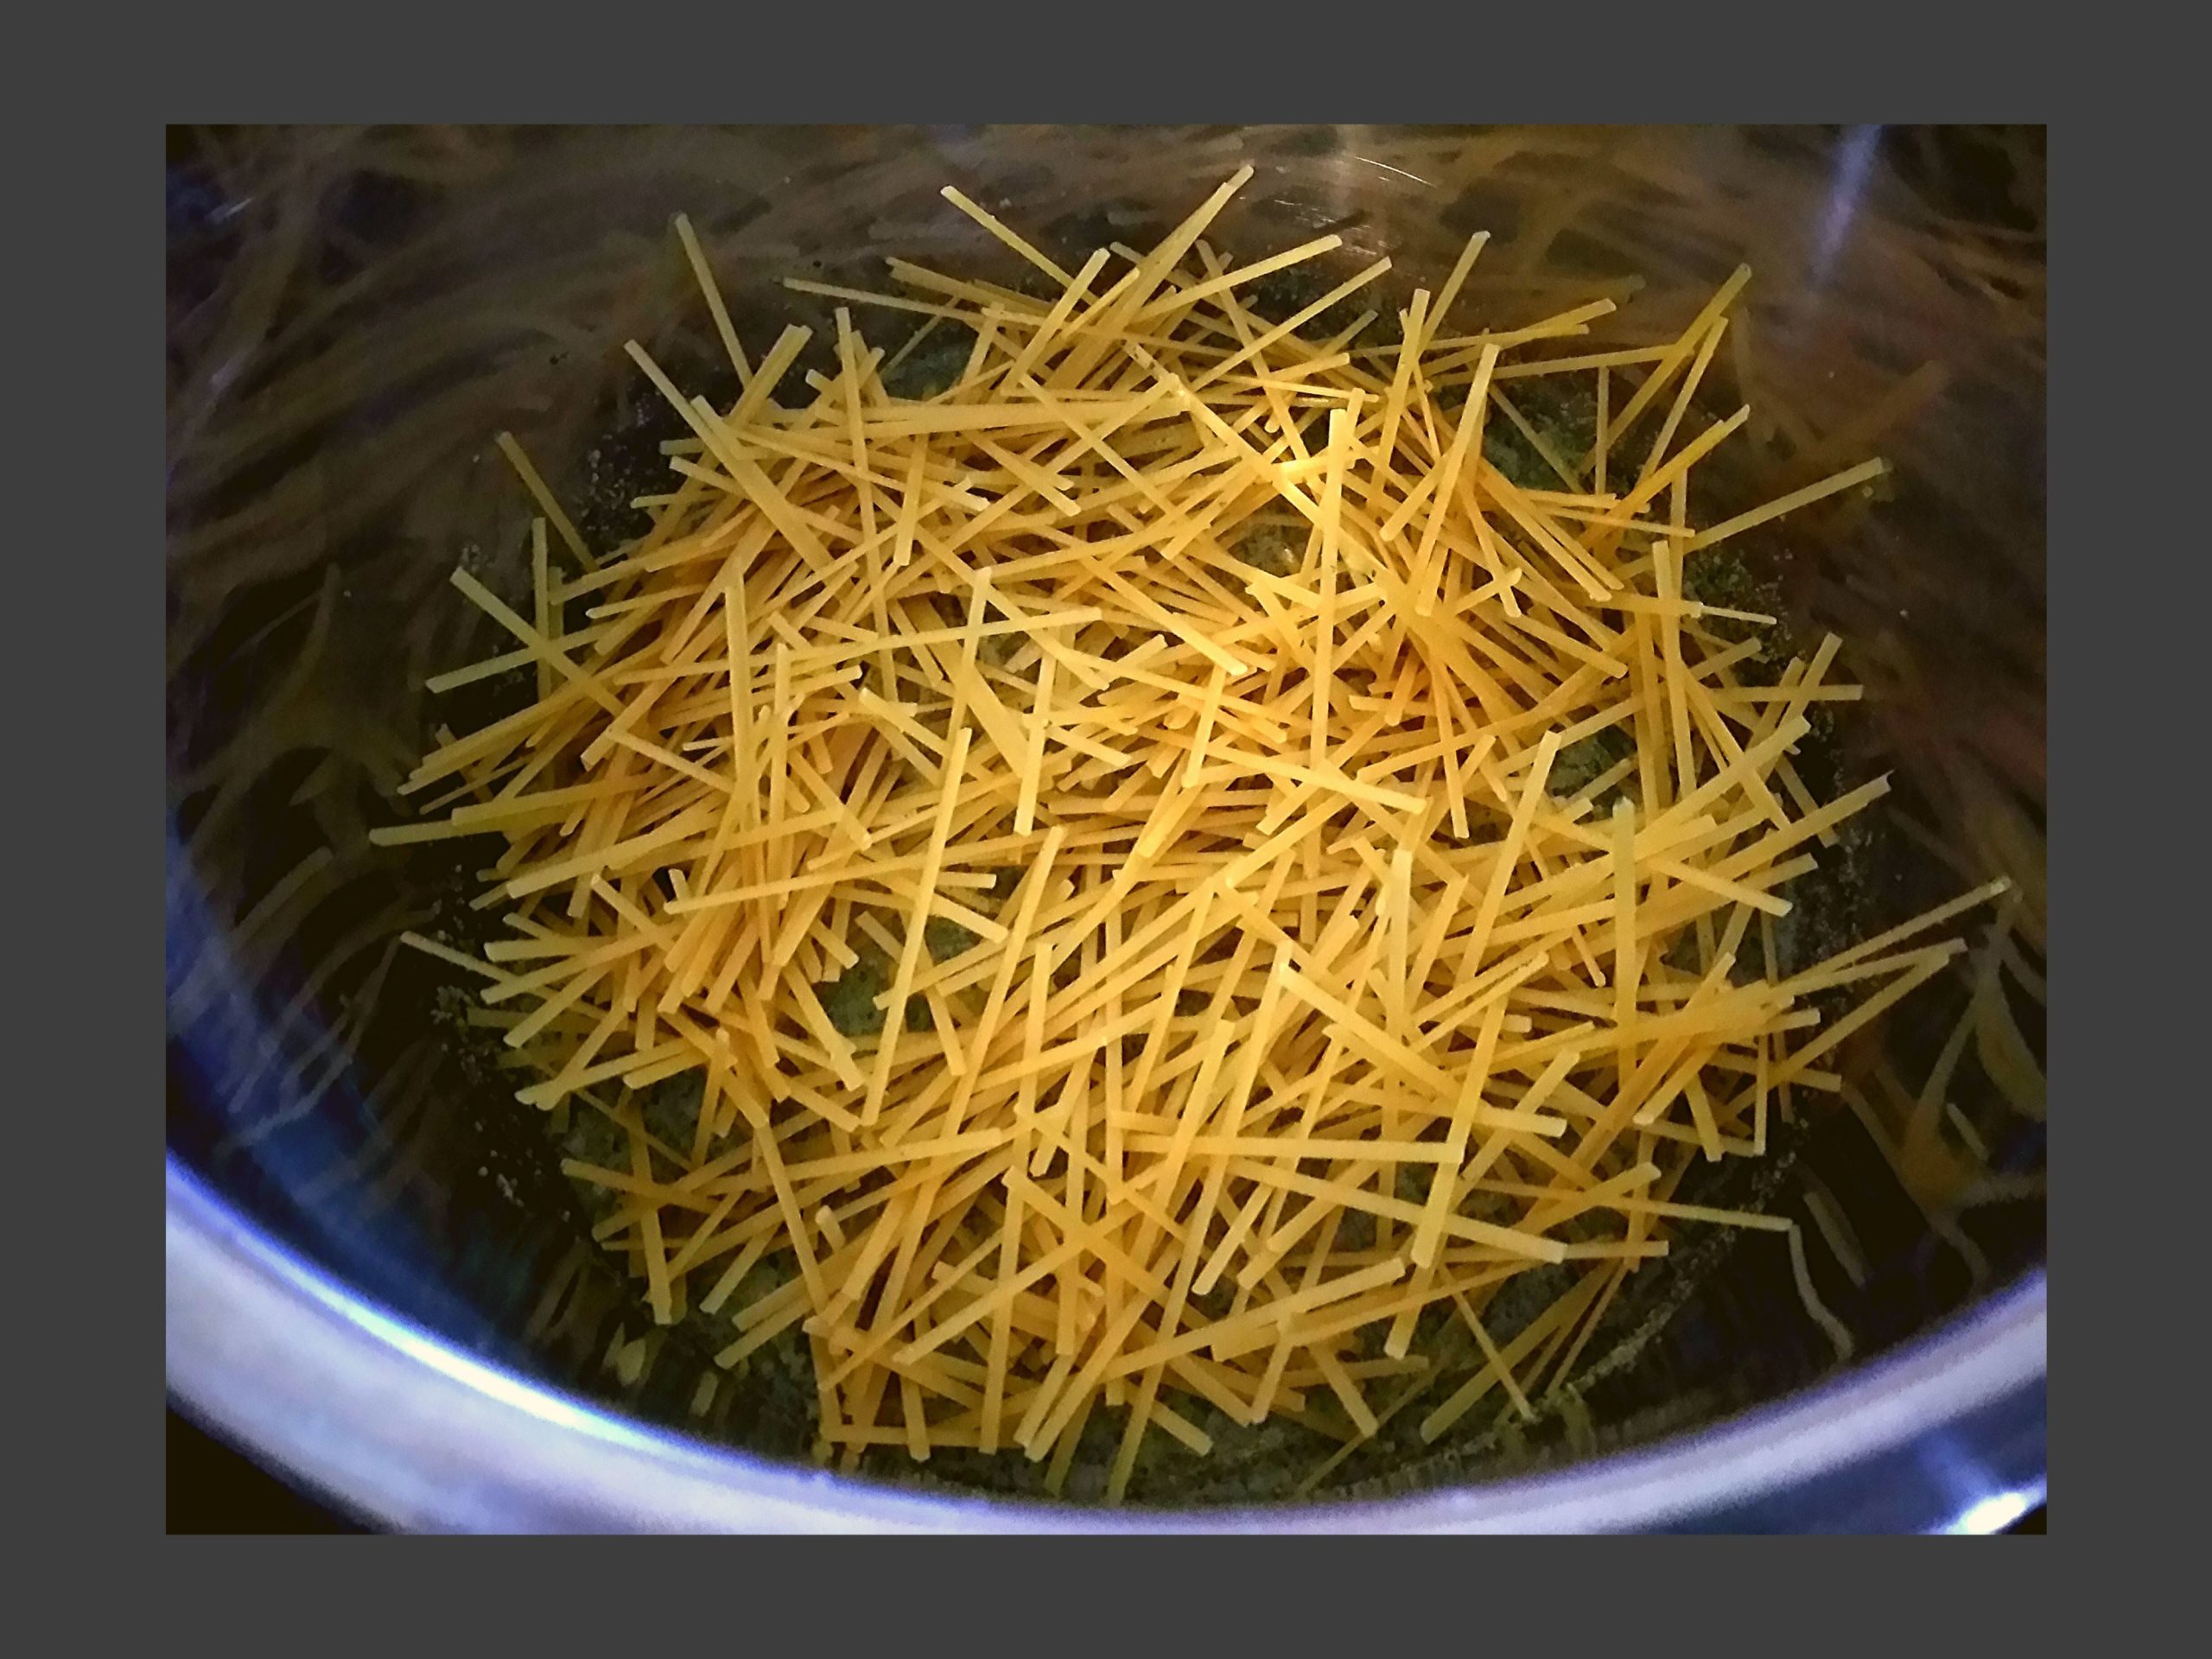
(1913, 65)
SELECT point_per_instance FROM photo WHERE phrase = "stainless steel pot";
(377, 1281)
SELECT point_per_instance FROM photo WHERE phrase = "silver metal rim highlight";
(415, 1434)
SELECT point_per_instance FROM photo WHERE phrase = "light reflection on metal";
(397, 1421)
(1851, 168)
(301, 1280)
(508, 1389)
(1996, 1511)
(1400, 171)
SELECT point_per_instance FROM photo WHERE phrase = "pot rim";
(1945, 1433)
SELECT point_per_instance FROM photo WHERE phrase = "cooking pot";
(379, 1283)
